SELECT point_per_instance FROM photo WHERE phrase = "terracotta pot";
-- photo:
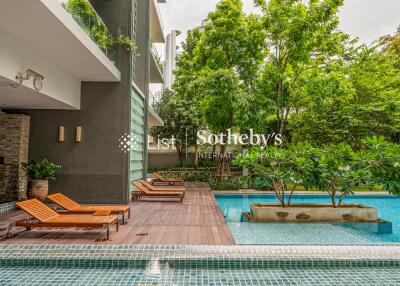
(39, 189)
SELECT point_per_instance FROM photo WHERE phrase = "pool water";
(232, 207)
(165, 275)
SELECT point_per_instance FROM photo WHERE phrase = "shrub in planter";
(337, 171)
(39, 174)
(230, 184)
(282, 167)
(381, 159)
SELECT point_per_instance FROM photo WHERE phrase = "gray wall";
(95, 170)
(142, 28)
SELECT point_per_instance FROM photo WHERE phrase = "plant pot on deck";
(39, 189)
(312, 213)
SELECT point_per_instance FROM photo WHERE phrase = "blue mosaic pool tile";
(7, 207)
(155, 274)
(294, 233)
(199, 265)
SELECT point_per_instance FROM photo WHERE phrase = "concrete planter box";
(312, 213)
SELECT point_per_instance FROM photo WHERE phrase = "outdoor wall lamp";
(37, 79)
(61, 136)
(78, 135)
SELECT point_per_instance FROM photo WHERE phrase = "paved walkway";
(198, 221)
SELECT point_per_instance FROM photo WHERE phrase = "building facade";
(57, 77)
(170, 59)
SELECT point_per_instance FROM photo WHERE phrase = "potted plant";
(39, 174)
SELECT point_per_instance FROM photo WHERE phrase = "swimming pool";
(198, 265)
(232, 207)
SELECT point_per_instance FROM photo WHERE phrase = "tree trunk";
(179, 151)
(333, 196)
(214, 152)
(196, 158)
(223, 169)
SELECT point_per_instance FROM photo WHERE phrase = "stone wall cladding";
(14, 144)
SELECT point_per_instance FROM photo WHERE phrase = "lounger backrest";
(147, 185)
(158, 176)
(38, 210)
(141, 187)
(64, 201)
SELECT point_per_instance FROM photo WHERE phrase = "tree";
(338, 169)
(382, 160)
(336, 172)
(285, 168)
(232, 41)
(391, 43)
(219, 91)
(348, 100)
(182, 119)
(222, 62)
(300, 36)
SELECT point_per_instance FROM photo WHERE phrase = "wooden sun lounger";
(161, 180)
(46, 217)
(73, 207)
(147, 193)
(160, 189)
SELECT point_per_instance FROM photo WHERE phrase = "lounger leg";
(117, 226)
(123, 217)
(129, 214)
(108, 232)
(9, 230)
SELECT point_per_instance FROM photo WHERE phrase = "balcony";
(157, 26)
(154, 118)
(156, 66)
(60, 37)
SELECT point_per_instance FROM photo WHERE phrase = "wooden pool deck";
(198, 221)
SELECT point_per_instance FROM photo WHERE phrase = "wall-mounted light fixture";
(37, 79)
(78, 136)
(61, 134)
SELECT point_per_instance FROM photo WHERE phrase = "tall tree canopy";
(289, 70)
(300, 35)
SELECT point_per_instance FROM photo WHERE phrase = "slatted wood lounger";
(148, 193)
(161, 189)
(46, 217)
(73, 207)
(161, 180)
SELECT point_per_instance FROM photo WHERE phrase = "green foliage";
(300, 36)
(85, 15)
(282, 167)
(348, 100)
(391, 43)
(182, 119)
(291, 70)
(337, 171)
(219, 91)
(381, 160)
(44, 170)
(232, 40)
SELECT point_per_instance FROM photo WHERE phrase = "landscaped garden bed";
(312, 212)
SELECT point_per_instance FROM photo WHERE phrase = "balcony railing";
(157, 57)
(159, 14)
(153, 101)
(86, 16)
